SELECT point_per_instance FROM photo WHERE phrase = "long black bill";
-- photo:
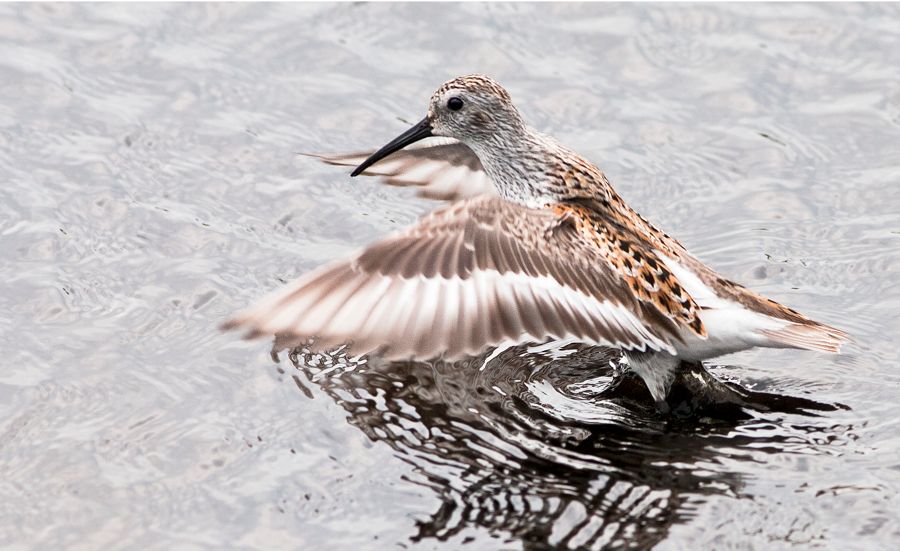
(422, 129)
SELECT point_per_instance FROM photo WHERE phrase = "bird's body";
(550, 251)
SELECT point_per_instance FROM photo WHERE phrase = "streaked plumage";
(549, 252)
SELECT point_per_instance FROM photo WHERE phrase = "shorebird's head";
(473, 109)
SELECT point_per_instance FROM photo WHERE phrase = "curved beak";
(422, 129)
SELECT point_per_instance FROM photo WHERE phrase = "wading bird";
(536, 246)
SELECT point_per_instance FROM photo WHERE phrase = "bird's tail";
(809, 336)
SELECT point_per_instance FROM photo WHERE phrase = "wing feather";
(442, 169)
(476, 274)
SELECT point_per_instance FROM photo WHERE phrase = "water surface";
(151, 188)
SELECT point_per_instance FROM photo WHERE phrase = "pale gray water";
(150, 189)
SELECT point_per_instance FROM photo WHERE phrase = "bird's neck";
(533, 169)
(536, 171)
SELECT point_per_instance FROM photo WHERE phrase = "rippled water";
(151, 188)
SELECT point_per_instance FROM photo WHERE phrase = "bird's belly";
(728, 330)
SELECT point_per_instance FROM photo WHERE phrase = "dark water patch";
(558, 448)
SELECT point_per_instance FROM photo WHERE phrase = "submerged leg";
(657, 369)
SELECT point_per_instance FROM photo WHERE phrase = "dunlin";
(537, 246)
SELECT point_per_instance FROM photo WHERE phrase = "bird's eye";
(454, 104)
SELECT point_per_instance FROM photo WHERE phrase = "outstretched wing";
(442, 168)
(478, 273)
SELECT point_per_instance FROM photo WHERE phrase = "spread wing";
(442, 168)
(478, 273)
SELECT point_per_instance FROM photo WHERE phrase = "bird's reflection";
(548, 447)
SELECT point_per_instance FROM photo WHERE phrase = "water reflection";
(550, 447)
